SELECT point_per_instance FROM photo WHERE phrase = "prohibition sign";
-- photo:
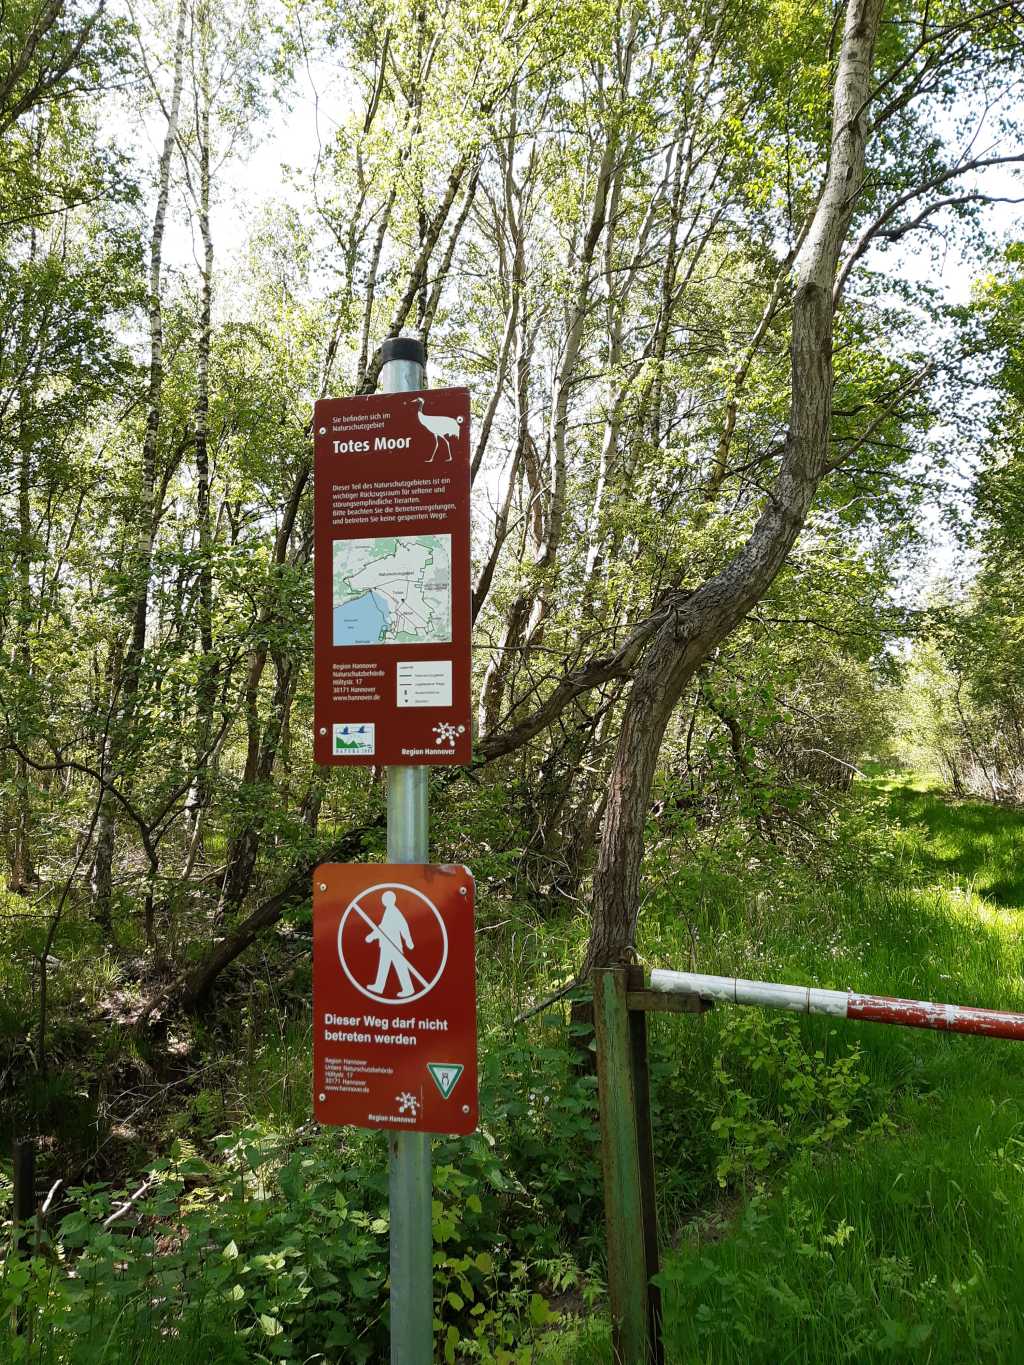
(398, 932)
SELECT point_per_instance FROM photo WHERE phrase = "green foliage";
(804, 1100)
(793, 1273)
(274, 1245)
(871, 1176)
(269, 1252)
(964, 706)
(592, 213)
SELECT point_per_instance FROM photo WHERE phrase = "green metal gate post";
(645, 1159)
(628, 1164)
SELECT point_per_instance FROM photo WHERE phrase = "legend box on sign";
(425, 684)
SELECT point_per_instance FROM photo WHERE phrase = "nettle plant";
(776, 1096)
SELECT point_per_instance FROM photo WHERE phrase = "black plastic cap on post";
(403, 348)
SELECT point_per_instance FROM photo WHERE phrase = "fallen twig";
(548, 1000)
(129, 1203)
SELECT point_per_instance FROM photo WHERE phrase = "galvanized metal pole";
(409, 1178)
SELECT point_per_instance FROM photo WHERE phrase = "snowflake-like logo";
(407, 1104)
(447, 734)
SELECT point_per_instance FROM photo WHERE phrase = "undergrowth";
(826, 1190)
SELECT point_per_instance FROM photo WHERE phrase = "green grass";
(900, 1237)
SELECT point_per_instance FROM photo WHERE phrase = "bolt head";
(323, 886)
(465, 1108)
(323, 431)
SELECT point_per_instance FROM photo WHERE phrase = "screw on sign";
(394, 997)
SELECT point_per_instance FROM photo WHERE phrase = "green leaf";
(540, 1311)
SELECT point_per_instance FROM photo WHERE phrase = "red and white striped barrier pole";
(878, 1009)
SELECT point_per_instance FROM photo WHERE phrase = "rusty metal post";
(24, 1211)
(629, 1211)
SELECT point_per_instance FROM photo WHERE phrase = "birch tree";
(878, 73)
(124, 661)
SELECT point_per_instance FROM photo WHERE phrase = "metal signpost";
(392, 686)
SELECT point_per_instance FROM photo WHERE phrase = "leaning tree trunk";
(193, 987)
(702, 620)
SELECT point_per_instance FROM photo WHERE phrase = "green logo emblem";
(445, 1075)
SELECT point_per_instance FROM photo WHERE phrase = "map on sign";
(393, 590)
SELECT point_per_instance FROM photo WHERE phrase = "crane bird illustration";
(441, 428)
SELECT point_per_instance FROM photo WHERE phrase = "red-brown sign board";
(394, 997)
(392, 578)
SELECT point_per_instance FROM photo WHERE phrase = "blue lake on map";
(362, 621)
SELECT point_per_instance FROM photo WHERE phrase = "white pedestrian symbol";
(392, 934)
(394, 976)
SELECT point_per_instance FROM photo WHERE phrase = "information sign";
(392, 578)
(394, 997)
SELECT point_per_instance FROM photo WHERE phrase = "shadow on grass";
(983, 844)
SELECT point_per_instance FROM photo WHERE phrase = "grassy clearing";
(897, 1236)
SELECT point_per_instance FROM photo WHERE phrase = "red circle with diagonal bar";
(391, 951)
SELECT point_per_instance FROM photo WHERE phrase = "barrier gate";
(622, 998)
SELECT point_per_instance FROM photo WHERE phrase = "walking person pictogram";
(393, 946)
(394, 1000)
(392, 934)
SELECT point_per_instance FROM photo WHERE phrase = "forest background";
(737, 294)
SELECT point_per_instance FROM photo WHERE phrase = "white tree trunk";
(101, 880)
